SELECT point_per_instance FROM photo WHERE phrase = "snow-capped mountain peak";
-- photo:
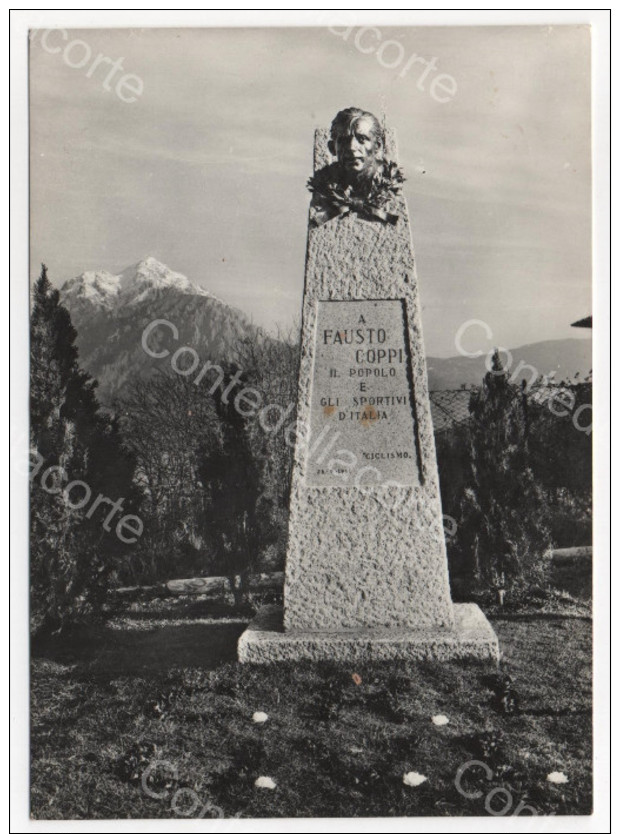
(111, 311)
(149, 271)
(101, 290)
(98, 288)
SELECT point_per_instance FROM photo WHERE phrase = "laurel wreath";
(384, 186)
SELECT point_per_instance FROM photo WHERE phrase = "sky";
(206, 169)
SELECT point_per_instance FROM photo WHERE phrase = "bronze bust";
(360, 180)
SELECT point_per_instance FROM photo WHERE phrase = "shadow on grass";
(171, 608)
(106, 650)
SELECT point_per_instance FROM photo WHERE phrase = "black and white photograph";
(307, 460)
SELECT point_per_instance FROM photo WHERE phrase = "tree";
(239, 520)
(560, 447)
(169, 423)
(503, 529)
(73, 551)
(272, 367)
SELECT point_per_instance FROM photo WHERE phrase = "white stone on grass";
(557, 777)
(413, 779)
(260, 717)
(265, 782)
(440, 720)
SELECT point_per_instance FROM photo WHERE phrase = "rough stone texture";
(265, 641)
(365, 557)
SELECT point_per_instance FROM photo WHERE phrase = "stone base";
(265, 641)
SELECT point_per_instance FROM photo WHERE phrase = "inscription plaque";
(362, 424)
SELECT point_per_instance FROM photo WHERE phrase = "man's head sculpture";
(360, 181)
(357, 142)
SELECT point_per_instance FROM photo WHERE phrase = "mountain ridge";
(554, 359)
(107, 290)
(110, 312)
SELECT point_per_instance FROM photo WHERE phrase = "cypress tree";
(503, 528)
(238, 519)
(72, 554)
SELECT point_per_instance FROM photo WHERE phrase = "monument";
(366, 573)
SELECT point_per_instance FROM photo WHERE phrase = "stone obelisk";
(366, 573)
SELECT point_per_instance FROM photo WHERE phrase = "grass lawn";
(113, 705)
